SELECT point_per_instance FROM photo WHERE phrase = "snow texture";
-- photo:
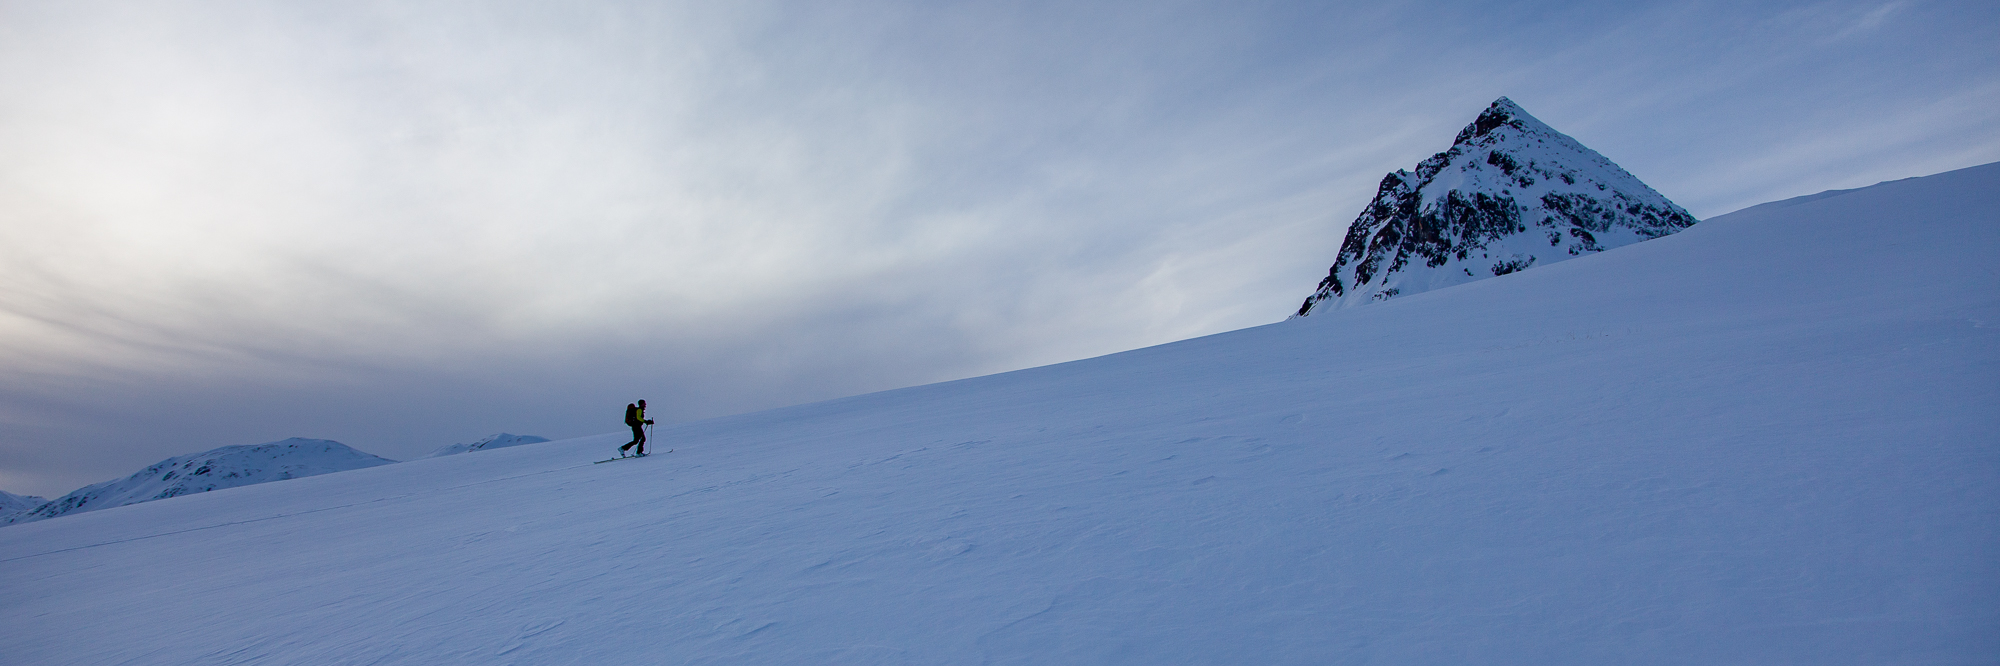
(1510, 194)
(13, 505)
(1767, 439)
(499, 441)
(226, 467)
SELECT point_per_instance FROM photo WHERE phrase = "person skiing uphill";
(635, 416)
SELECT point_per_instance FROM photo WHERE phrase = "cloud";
(404, 224)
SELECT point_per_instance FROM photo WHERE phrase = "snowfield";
(1768, 439)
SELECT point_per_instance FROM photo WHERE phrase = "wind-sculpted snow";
(1511, 193)
(499, 441)
(226, 467)
(1725, 446)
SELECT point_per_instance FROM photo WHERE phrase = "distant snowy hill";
(499, 441)
(1510, 193)
(1767, 439)
(226, 467)
(13, 505)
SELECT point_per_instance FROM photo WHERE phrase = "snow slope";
(226, 467)
(1768, 439)
(499, 441)
(13, 505)
(1511, 193)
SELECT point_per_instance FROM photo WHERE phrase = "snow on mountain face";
(12, 505)
(499, 441)
(1511, 193)
(1699, 452)
(226, 467)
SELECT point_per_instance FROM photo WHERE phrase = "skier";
(635, 416)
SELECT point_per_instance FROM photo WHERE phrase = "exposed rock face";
(226, 467)
(1510, 194)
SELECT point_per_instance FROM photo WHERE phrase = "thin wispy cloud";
(404, 224)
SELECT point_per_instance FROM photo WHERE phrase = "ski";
(642, 455)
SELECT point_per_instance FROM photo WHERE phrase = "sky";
(402, 225)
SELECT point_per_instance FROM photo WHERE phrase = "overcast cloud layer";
(406, 224)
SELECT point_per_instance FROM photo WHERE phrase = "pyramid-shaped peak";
(1502, 112)
(1510, 193)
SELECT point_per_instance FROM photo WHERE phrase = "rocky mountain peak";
(1510, 193)
(1502, 113)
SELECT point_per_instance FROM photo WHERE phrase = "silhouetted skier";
(635, 416)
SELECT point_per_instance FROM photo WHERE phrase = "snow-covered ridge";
(12, 505)
(1510, 193)
(226, 467)
(497, 441)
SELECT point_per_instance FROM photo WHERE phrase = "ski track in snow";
(1765, 439)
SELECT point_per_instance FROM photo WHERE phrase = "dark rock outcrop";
(1511, 193)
